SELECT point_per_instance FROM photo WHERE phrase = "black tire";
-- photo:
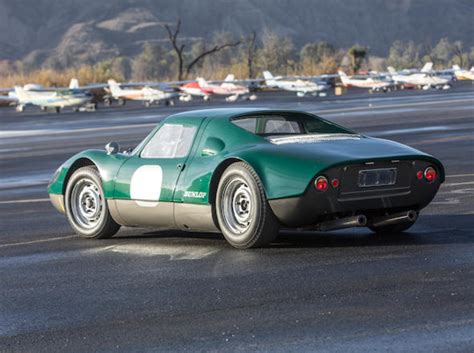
(102, 227)
(392, 229)
(258, 225)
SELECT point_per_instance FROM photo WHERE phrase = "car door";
(145, 183)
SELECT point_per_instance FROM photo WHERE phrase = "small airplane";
(227, 88)
(372, 84)
(54, 98)
(462, 74)
(193, 88)
(146, 94)
(425, 79)
(301, 87)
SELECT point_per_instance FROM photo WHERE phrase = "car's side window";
(170, 141)
(249, 124)
(274, 126)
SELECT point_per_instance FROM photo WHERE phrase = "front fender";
(108, 166)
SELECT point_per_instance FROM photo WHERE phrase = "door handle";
(180, 166)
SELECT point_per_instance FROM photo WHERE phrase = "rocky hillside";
(94, 29)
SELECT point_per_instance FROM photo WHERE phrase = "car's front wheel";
(243, 213)
(86, 207)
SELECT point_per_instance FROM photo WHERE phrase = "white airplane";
(301, 87)
(372, 84)
(462, 74)
(145, 94)
(227, 88)
(54, 98)
(425, 79)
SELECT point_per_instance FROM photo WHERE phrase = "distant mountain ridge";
(94, 30)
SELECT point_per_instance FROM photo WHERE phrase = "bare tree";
(457, 48)
(428, 49)
(251, 49)
(173, 37)
(179, 50)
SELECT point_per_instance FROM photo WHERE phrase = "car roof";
(226, 113)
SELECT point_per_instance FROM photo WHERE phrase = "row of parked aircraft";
(79, 97)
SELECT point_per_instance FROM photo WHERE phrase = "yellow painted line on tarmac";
(6, 202)
(37, 241)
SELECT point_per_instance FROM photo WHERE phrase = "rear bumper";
(316, 206)
(58, 202)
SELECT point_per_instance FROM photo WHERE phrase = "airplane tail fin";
(202, 82)
(343, 77)
(456, 68)
(114, 87)
(21, 93)
(74, 84)
(428, 67)
(229, 81)
(229, 78)
(267, 75)
(269, 78)
(391, 70)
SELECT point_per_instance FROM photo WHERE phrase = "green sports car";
(246, 173)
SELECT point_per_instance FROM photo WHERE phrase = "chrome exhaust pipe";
(341, 223)
(409, 216)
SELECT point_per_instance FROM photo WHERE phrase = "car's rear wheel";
(86, 207)
(243, 213)
(392, 228)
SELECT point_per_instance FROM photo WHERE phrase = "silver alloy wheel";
(87, 203)
(237, 205)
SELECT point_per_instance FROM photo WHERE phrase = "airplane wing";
(76, 88)
(239, 81)
(311, 78)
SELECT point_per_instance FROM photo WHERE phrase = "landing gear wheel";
(121, 102)
(86, 207)
(392, 228)
(243, 213)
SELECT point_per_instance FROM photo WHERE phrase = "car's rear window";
(291, 124)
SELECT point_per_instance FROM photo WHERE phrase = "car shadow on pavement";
(430, 229)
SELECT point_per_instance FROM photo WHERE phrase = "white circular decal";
(146, 183)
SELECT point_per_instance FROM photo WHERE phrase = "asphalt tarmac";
(148, 290)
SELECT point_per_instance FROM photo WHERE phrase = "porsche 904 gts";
(246, 173)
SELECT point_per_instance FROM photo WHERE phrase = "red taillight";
(419, 174)
(335, 183)
(430, 174)
(321, 183)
